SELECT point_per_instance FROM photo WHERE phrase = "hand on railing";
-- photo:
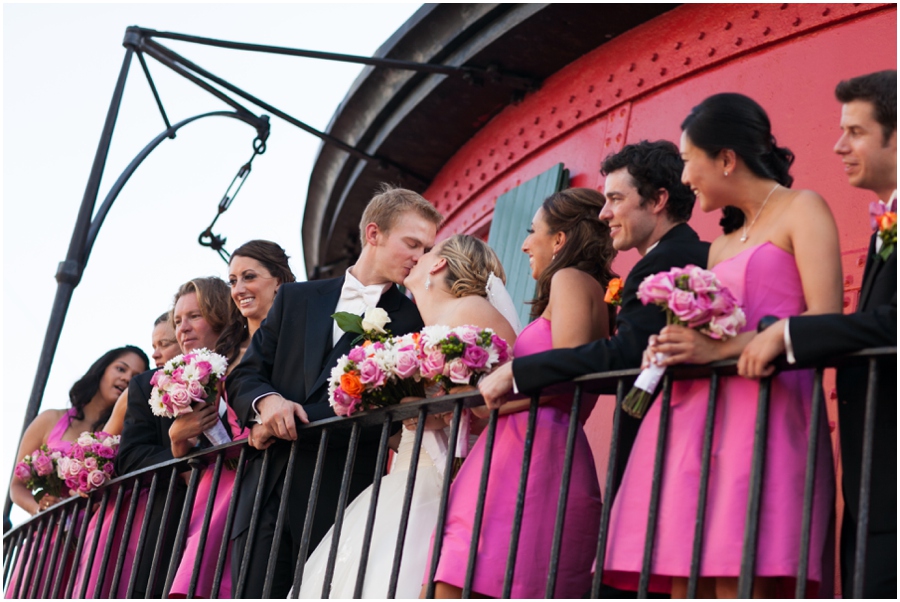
(681, 345)
(496, 385)
(757, 357)
(261, 437)
(280, 416)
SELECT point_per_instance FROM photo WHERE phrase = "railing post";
(865, 482)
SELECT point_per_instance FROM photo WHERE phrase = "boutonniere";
(887, 232)
(370, 326)
(614, 292)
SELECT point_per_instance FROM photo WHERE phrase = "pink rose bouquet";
(38, 470)
(376, 374)
(187, 379)
(461, 355)
(692, 297)
(89, 463)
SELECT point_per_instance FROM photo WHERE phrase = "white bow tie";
(353, 290)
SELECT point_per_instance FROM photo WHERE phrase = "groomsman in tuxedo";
(283, 379)
(647, 209)
(868, 149)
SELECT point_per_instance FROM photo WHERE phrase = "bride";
(450, 284)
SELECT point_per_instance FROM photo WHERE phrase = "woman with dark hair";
(92, 397)
(570, 252)
(256, 270)
(779, 256)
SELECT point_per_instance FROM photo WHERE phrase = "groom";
(283, 379)
(868, 149)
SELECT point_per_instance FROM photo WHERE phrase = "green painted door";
(509, 225)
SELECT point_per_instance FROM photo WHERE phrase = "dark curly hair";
(655, 165)
(588, 245)
(880, 89)
(84, 389)
(737, 122)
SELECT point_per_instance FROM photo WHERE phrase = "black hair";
(737, 122)
(655, 165)
(84, 389)
(880, 89)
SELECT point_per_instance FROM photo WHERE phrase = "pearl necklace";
(746, 229)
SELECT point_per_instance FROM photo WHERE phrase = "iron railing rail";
(42, 555)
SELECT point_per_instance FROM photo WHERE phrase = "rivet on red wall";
(677, 45)
(755, 15)
(702, 35)
(796, 22)
(598, 103)
(571, 99)
(767, 31)
(712, 51)
(739, 41)
(654, 58)
(728, 25)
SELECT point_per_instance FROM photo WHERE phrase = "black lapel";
(390, 301)
(873, 265)
(318, 344)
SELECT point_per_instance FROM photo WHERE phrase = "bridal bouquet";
(89, 462)
(692, 297)
(375, 375)
(38, 470)
(461, 355)
(188, 379)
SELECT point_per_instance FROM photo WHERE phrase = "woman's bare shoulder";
(568, 281)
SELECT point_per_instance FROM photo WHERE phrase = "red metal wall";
(642, 84)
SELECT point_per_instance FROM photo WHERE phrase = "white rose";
(374, 319)
(86, 439)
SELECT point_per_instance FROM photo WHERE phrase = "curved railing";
(44, 555)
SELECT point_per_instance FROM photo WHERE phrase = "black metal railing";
(51, 553)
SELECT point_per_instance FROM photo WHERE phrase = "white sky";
(60, 64)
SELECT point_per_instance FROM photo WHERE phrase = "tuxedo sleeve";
(819, 337)
(252, 377)
(634, 325)
(141, 445)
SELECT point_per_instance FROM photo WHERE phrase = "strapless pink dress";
(55, 443)
(765, 280)
(582, 518)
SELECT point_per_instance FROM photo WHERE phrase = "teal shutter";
(509, 225)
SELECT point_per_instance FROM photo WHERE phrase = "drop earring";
(428, 282)
(726, 174)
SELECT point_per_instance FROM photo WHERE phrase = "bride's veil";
(500, 299)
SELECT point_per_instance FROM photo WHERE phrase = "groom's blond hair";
(390, 202)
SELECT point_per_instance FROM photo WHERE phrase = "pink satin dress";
(765, 281)
(582, 515)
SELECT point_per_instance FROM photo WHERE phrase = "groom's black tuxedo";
(292, 354)
(814, 338)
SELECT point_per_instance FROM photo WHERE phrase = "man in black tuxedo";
(283, 378)
(868, 148)
(647, 208)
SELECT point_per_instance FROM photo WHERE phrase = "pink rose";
(195, 391)
(475, 357)
(344, 404)
(187, 358)
(407, 363)
(164, 381)
(109, 469)
(42, 463)
(83, 482)
(96, 478)
(687, 307)
(457, 371)
(723, 303)
(378, 346)
(179, 396)
(154, 380)
(701, 281)
(23, 471)
(356, 355)
(90, 464)
(75, 467)
(371, 374)
(105, 451)
(467, 335)
(656, 288)
(204, 369)
(501, 347)
(433, 364)
(62, 467)
(722, 327)
(77, 452)
(71, 483)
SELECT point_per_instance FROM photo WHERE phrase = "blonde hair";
(386, 206)
(469, 263)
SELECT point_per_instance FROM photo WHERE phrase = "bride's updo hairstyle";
(217, 308)
(469, 263)
(734, 121)
(588, 246)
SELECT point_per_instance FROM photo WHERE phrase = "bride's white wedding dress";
(422, 518)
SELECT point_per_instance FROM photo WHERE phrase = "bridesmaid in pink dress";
(779, 256)
(570, 253)
(256, 270)
(165, 347)
(92, 398)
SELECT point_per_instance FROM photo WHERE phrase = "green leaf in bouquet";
(348, 322)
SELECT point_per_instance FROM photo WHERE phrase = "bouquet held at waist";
(694, 298)
(187, 379)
